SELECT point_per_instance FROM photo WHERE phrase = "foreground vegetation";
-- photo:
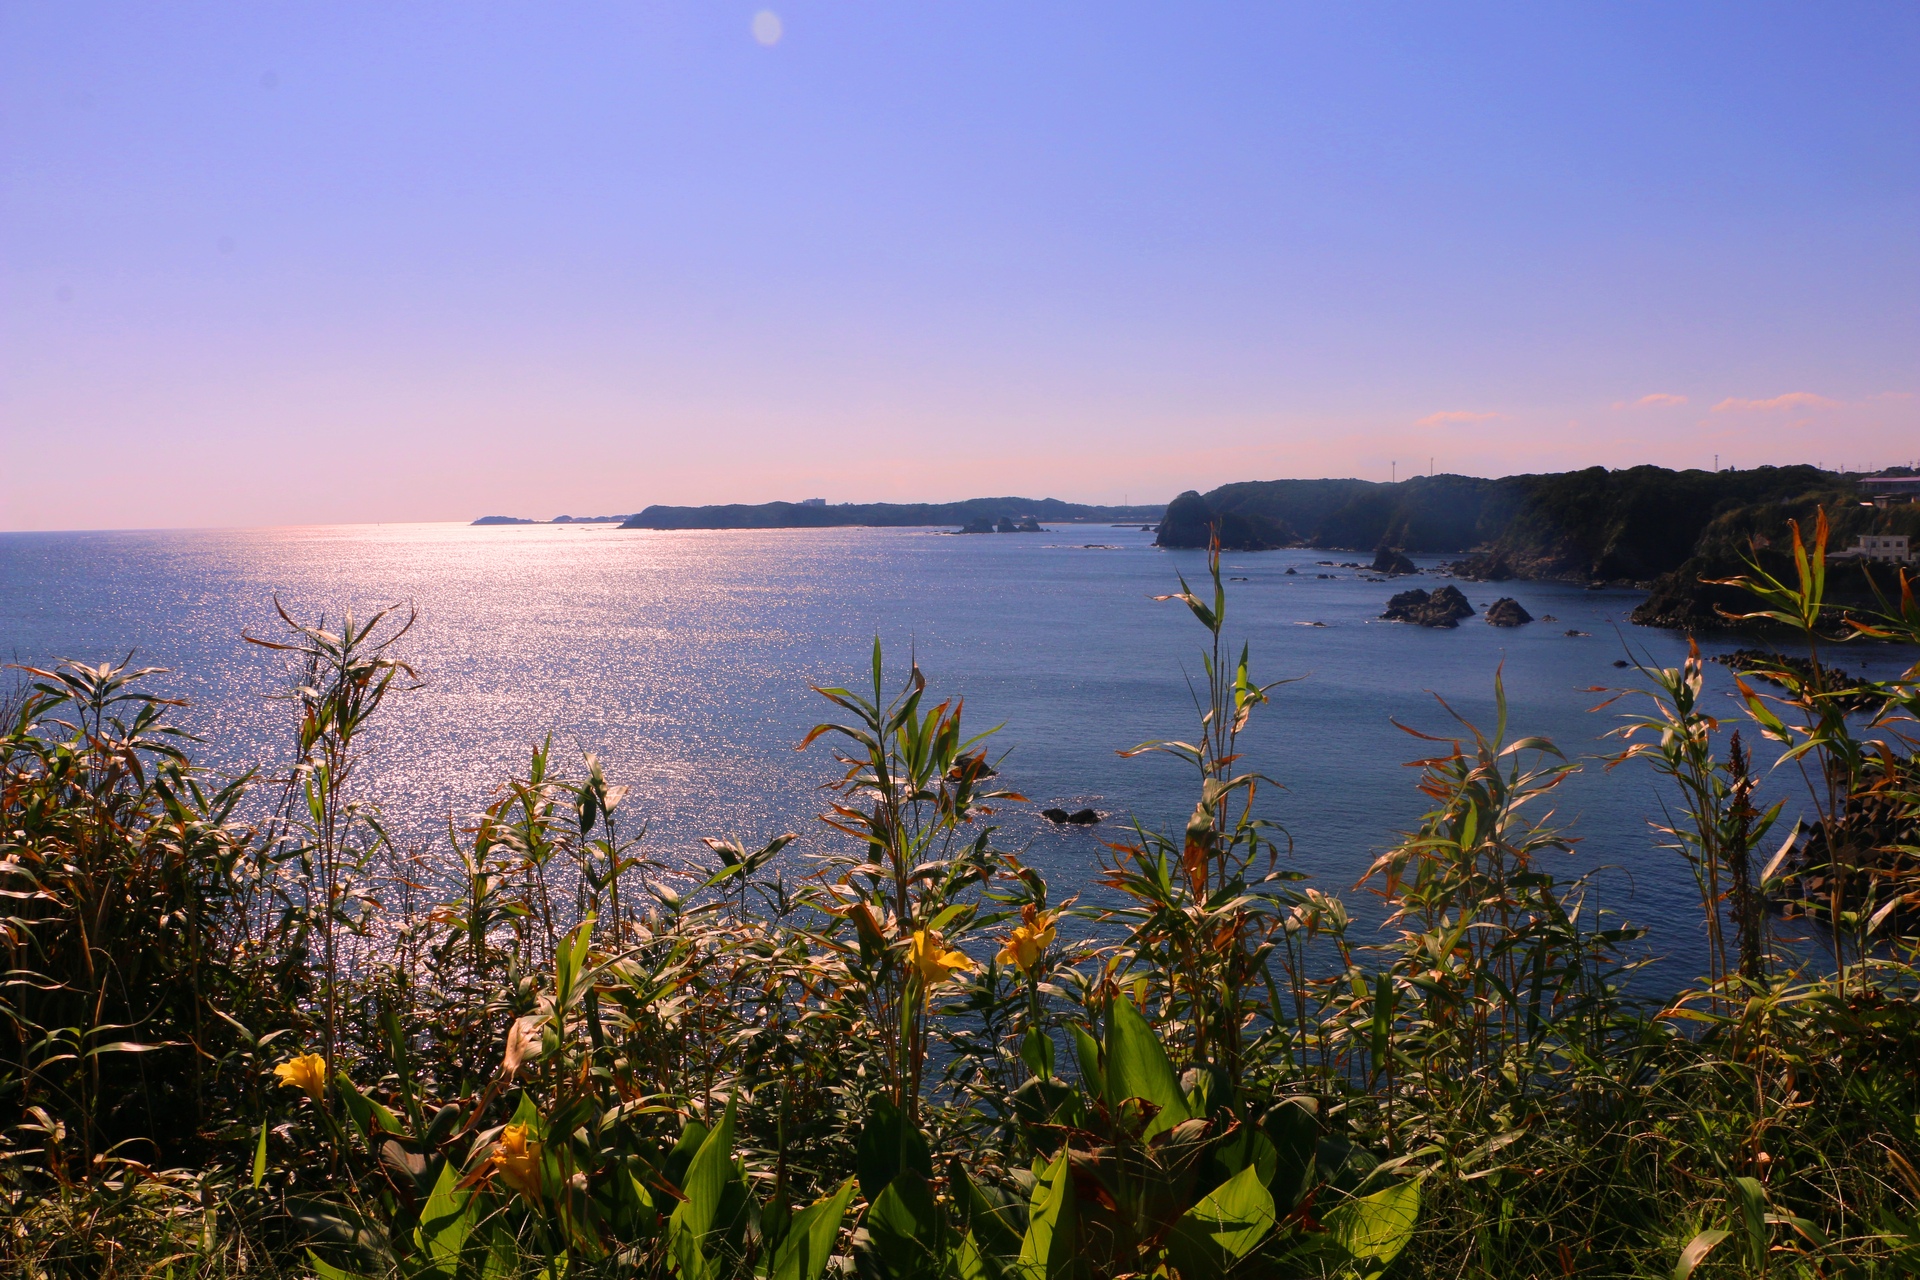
(243, 1034)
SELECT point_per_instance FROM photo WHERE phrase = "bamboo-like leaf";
(260, 1157)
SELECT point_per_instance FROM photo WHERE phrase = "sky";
(289, 262)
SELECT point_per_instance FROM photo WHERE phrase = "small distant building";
(813, 502)
(1889, 548)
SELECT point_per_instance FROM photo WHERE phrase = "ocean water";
(685, 660)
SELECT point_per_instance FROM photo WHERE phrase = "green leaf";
(1753, 1213)
(1087, 1050)
(1037, 1052)
(325, 1270)
(705, 1187)
(569, 960)
(707, 1177)
(260, 1157)
(887, 1145)
(907, 1230)
(1378, 1226)
(444, 1223)
(1137, 1067)
(1048, 1251)
(992, 1217)
(366, 1114)
(1225, 1226)
(1697, 1248)
(503, 1257)
(804, 1251)
(969, 1263)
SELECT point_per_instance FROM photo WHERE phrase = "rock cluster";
(985, 524)
(1506, 612)
(1442, 608)
(1078, 818)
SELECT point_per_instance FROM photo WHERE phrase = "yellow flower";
(308, 1072)
(1029, 939)
(517, 1157)
(933, 962)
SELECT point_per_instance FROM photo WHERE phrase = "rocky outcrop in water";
(1442, 608)
(1506, 612)
(1393, 563)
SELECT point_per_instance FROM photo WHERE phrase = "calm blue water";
(684, 660)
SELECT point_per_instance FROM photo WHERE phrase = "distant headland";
(555, 520)
(815, 513)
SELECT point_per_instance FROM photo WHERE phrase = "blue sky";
(290, 262)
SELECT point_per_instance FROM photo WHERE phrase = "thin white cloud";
(1657, 400)
(1778, 404)
(1455, 417)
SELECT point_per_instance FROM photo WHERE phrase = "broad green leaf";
(444, 1223)
(803, 1253)
(993, 1222)
(1048, 1250)
(1037, 1052)
(1377, 1226)
(1137, 1067)
(705, 1187)
(707, 1177)
(887, 1145)
(503, 1257)
(1247, 1147)
(969, 1263)
(907, 1229)
(1087, 1050)
(1225, 1226)
(528, 1115)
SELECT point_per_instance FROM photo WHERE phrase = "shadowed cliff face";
(1596, 524)
(1192, 521)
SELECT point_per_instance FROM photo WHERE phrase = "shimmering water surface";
(684, 660)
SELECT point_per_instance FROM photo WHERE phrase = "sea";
(687, 662)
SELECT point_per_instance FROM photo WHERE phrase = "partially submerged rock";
(1506, 612)
(1442, 608)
